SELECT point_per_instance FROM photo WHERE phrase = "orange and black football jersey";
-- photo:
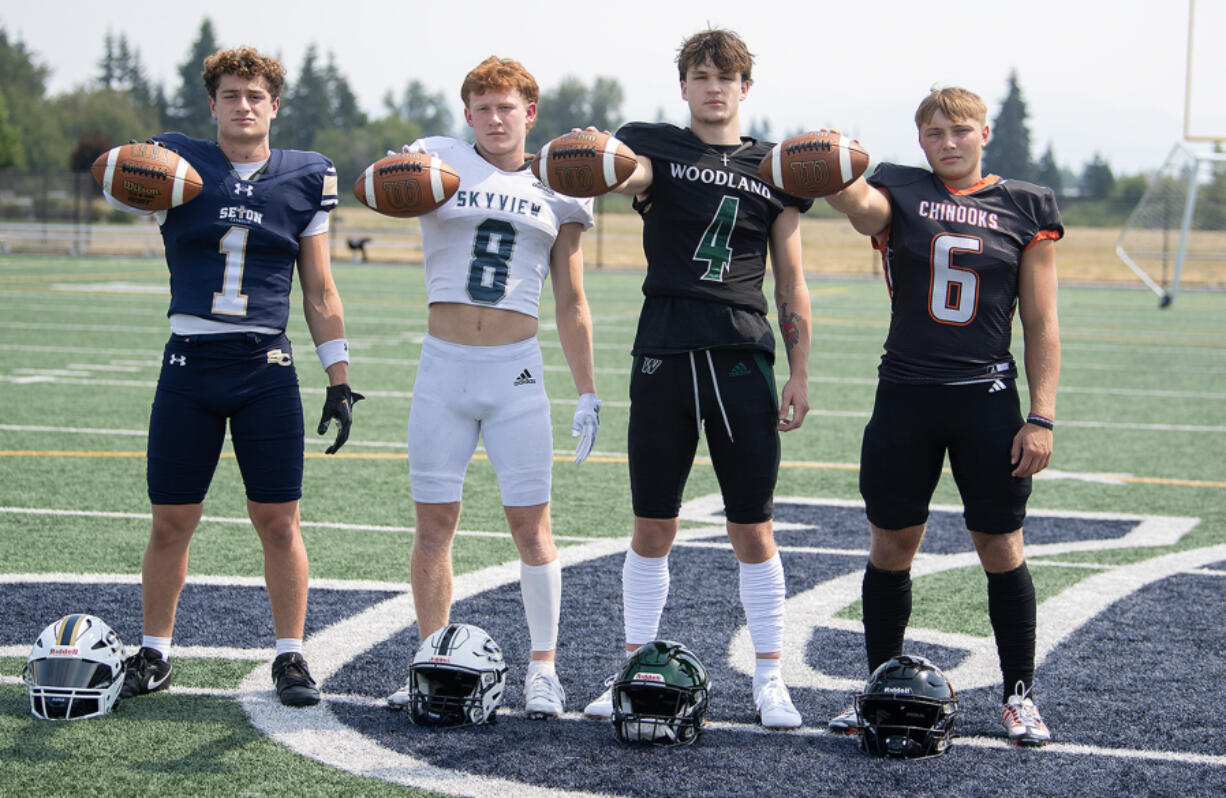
(951, 263)
(706, 225)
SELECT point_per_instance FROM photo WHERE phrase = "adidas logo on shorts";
(524, 378)
(739, 370)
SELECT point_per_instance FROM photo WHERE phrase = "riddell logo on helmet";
(898, 690)
(63, 652)
(648, 677)
(440, 659)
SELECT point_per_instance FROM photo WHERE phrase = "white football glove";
(586, 425)
(405, 149)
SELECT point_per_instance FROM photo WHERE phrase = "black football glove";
(339, 405)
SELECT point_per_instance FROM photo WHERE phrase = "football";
(814, 164)
(406, 184)
(147, 176)
(584, 164)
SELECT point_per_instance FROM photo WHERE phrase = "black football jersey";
(706, 226)
(231, 251)
(951, 264)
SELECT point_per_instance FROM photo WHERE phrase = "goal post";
(1178, 229)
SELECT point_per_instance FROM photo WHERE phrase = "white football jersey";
(490, 243)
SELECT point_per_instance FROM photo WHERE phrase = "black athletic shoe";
(144, 672)
(295, 687)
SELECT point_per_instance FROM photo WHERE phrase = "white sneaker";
(846, 722)
(774, 705)
(1023, 722)
(399, 699)
(602, 707)
(543, 695)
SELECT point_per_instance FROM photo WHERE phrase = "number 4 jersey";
(490, 243)
(231, 251)
(951, 264)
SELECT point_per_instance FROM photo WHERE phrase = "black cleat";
(144, 672)
(295, 687)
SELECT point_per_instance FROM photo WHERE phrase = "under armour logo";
(650, 364)
(178, 360)
(244, 188)
(997, 385)
(277, 357)
(524, 378)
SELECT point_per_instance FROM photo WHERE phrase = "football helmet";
(75, 669)
(660, 695)
(907, 709)
(456, 678)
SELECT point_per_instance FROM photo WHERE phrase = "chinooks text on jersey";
(962, 214)
(718, 177)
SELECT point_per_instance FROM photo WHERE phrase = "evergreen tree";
(23, 81)
(106, 65)
(1048, 173)
(1008, 150)
(418, 105)
(11, 154)
(188, 111)
(346, 114)
(306, 108)
(1097, 180)
(571, 104)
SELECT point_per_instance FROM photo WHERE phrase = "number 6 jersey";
(951, 263)
(231, 250)
(490, 243)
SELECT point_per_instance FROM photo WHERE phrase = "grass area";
(1140, 430)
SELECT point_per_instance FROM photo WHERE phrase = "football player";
(704, 350)
(231, 253)
(961, 253)
(488, 251)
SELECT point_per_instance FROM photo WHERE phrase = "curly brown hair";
(245, 62)
(721, 47)
(500, 74)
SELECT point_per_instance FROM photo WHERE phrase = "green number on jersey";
(714, 247)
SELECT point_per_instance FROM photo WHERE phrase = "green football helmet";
(660, 695)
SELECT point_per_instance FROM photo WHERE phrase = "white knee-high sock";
(541, 588)
(762, 596)
(644, 592)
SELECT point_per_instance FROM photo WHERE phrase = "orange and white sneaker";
(1023, 722)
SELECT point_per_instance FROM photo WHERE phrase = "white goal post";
(1179, 224)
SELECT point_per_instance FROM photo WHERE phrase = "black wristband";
(1040, 421)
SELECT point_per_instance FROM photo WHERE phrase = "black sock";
(1011, 607)
(886, 600)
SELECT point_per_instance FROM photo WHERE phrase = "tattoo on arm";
(789, 326)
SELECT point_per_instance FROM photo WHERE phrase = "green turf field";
(1141, 429)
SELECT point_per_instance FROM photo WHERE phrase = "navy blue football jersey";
(951, 263)
(231, 251)
(706, 227)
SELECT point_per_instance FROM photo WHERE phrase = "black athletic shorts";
(247, 379)
(904, 447)
(727, 389)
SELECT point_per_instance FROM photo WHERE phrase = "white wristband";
(334, 351)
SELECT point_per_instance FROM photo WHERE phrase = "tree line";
(319, 109)
(320, 112)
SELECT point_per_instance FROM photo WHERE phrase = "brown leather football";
(814, 164)
(583, 164)
(147, 176)
(406, 184)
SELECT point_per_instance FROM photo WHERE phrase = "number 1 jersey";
(490, 243)
(231, 251)
(951, 263)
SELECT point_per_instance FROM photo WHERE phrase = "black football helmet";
(907, 709)
(660, 695)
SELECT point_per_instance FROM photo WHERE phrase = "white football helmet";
(75, 669)
(456, 678)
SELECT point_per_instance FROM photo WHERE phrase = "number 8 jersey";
(951, 263)
(231, 250)
(490, 243)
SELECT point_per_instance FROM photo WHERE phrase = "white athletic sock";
(644, 592)
(546, 666)
(762, 595)
(159, 644)
(764, 668)
(289, 645)
(541, 588)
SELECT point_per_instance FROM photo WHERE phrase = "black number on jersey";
(715, 249)
(954, 291)
(487, 274)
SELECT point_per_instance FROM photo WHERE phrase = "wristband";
(1040, 421)
(334, 351)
